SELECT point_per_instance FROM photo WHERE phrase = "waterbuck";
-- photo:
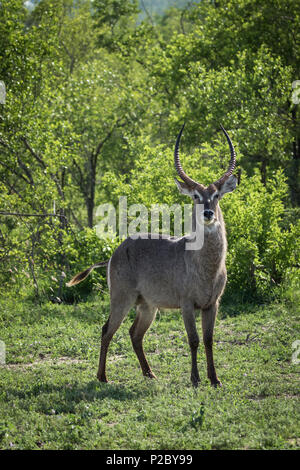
(154, 273)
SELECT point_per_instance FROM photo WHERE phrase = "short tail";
(81, 276)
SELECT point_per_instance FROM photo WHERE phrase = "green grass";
(50, 397)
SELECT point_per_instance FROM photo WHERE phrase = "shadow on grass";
(64, 398)
(234, 309)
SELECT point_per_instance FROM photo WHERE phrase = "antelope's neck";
(213, 251)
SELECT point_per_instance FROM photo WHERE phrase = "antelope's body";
(163, 274)
(152, 273)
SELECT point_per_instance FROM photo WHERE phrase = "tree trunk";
(90, 201)
(295, 164)
(263, 172)
(90, 211)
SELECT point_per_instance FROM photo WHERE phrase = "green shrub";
(56, 263)
(83, 251)
(289, 289)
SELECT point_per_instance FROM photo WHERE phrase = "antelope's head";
(207, 196)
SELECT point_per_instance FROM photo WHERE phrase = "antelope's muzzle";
(208, 215)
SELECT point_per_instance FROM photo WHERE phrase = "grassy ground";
(50, 398)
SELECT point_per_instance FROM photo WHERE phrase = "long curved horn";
(178, 166)
(232, 162)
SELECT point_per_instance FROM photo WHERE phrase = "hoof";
(150, 375)
(102, 379)
(216, 383)
(195, 381)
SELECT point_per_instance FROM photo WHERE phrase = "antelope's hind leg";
(119, 307)
(144, 318)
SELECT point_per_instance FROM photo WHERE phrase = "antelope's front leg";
(208, 323)
(188, 314)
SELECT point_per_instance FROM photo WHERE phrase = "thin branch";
(102, 142)
(42, 163)
(12, 188)
(147, 12)
(75, 218)
(31, 267)
(71, 57)
(182, 21)
(21, 165)
(15, 172)
(33, 153)
(26, 170)
(81, 182)
(17, 214)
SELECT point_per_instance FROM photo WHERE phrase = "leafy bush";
(289, 289)
(260, 249)
(42, 275)
(83, 251)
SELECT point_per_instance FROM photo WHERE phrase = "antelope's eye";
(216, 196)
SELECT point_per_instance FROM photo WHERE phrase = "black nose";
(208, 214)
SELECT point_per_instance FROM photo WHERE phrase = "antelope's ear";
(183, 188)
(229, 185)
